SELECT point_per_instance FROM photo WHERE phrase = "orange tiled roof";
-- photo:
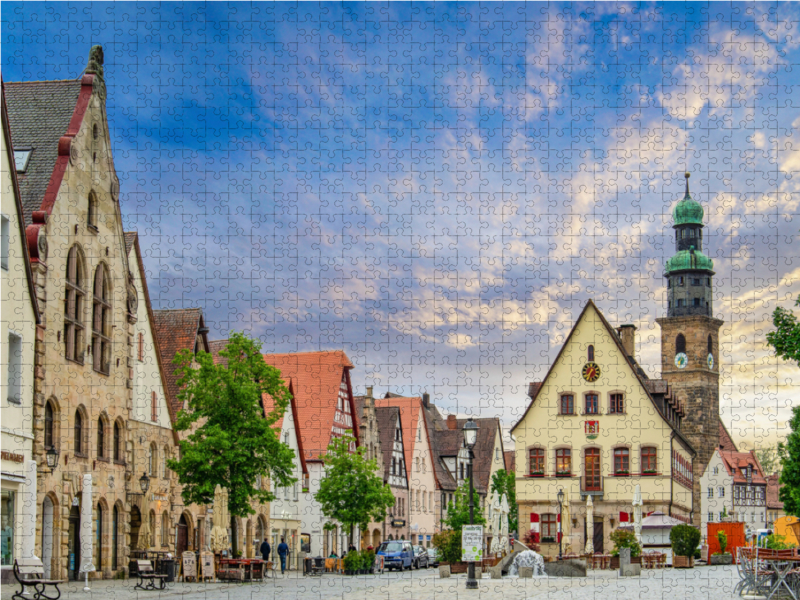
(735, 461)
(409, 415)
(725, 439)
(176, 330)
(315, 378)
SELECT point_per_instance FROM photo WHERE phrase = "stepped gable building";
(19, 325)
(390, 428)
(690, 336)
(583, 432)
(84, 382)
(176, 330)
(325, 408)
(418, 462)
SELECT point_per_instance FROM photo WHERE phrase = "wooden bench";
(146, 574)
(29, 572)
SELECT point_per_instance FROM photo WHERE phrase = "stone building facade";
(366, 420)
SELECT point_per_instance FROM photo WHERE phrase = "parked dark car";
(396, 554)
(420, 557)
(433, 557)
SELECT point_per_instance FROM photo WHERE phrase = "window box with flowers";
(537, 473)
(621, 473)
(548, 540)
(649, 472)
(563, 474)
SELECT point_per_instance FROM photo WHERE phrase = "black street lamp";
(470, 438)
(52, 458)
(144, 483)
(560, 497)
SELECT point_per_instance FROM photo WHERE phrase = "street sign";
(472, 543)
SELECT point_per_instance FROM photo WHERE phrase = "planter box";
(635, 560)
(721, 559)
(683, 562)
(459, 567)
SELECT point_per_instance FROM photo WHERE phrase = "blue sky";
(439, 189)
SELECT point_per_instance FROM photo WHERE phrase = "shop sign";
(17, 458)
(472, 543)
(398, 523)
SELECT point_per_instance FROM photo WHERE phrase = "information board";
(207, 563)
(189, 566)
(472, 543)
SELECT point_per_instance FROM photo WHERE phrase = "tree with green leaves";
(786, 342)
(352, 491)
(231, 441)
(504, 482)
(769, 459)
(448, 541)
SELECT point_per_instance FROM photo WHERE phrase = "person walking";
(265, 550)
(283, 550)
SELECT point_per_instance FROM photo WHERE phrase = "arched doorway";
(376, 538)
(249, 546)
(114, 539)
(136, 523)
(74, 543)
(47, 537)
(98, 539)
(183, 536)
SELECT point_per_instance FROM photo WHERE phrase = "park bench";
(29, 572)
(145, 573)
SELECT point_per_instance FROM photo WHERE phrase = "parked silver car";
(433, 557)
(420, 557)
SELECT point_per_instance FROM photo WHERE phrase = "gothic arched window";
(680, 344)
(73, 307)
(591, 353)
(101, 321)
(101, 438)
(78, 432)
(710, 343)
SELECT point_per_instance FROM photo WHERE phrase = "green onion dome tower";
(689, 272)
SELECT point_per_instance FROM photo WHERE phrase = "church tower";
(690, 336)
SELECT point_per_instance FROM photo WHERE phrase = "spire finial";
(687, 175)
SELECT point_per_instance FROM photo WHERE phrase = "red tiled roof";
(176, 330)
(773, 489)
(316, 377)
(725, 439)
(735, 461)
(409, 415)
(509, 458)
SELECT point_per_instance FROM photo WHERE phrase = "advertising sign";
(472, 543)
(189, 566)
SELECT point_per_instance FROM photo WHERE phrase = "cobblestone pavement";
(703, 583)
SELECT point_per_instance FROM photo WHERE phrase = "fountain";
(527, 558)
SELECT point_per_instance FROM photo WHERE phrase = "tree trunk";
(234, 538)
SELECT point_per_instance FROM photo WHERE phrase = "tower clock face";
(591, 372)
(710, 361)
(681, 360)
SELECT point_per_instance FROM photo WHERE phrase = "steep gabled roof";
(437, 428)
(132, 244)
(509, 459)
(40, 113)
(176, 330)
(725, 440)
(736, 461)
(387, 417)
(23, 242)
(615, 339)
(316, 377)
(410, 409)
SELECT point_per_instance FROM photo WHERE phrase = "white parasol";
(86, 529)
(219, 530)
(143, 541)
(589, 525)
(637, 513)
(29, 513)
(566, 522)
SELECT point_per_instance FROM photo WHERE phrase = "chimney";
(426, 398)
(627, 335)
(369, 391)
(451, 422)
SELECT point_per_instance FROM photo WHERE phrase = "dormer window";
(21, 159)
(590, 353)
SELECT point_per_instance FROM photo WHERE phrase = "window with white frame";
(720, 516)
(716, 470)
(710, 516)
(14, 373)
(710, 492)
(720, 492)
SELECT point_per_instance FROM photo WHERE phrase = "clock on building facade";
(591, 372)
(681, 360)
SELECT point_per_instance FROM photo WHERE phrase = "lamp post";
(470, 437)
(560, 497)
(144, 483)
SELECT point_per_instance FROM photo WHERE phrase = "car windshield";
(391, 547)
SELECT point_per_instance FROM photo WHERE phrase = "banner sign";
(472, 543)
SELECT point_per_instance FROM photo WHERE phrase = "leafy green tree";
(786, 342)
(231, 441)
(504, 482)
(790, 475)
(769, 458)
(448, 542)
(352, 492)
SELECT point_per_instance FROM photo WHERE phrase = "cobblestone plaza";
(715, 583)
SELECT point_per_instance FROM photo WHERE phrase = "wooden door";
(183, 536)
(74, 540)
(597, 541)
(592, 470)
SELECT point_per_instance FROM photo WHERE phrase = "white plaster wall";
(716, 504)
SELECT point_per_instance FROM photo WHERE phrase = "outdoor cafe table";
(781, 565)
(253, 567)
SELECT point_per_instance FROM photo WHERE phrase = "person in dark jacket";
(283, 551)
(265, 550)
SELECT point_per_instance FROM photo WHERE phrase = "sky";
(439, 189)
